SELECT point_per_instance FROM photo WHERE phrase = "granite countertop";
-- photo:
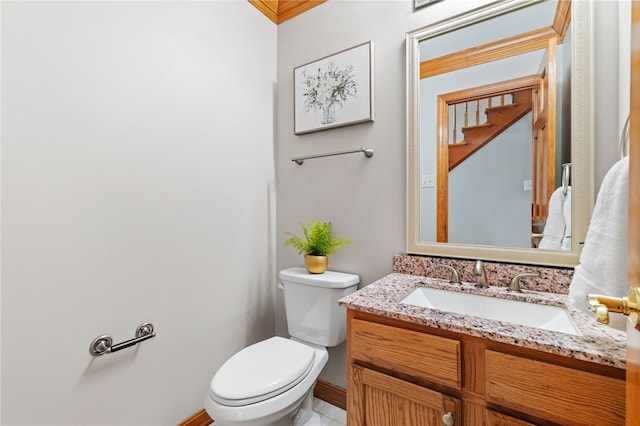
(598, 343)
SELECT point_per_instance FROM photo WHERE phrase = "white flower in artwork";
(327, 89)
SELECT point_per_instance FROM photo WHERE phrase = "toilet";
(270, 383)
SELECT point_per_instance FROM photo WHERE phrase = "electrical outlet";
(427, 181)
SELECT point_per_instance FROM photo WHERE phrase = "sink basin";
(546, 317)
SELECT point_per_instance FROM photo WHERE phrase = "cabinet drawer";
(421, 355)
(556, 393)
(498, 419)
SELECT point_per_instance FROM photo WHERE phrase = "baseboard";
(330, 393)
(325, 391)
(201, 418)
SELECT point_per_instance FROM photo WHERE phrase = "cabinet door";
(498, 419)
(375, 399)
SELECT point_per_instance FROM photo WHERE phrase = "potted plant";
(316, 245)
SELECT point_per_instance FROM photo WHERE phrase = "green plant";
(317, 239)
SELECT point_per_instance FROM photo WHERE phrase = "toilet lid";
(261, 371)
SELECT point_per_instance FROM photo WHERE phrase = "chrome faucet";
(455, 277)
(514, 285)
(481, 277)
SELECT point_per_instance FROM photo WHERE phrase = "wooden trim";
(511, 46)
(288, 9)
(494, 89)
(354, 381)
(201, 418)
(442, 194)
(633, 258)
(355, 386)
(562, 19)
(550, 127)
(279, 11)
(331, 393)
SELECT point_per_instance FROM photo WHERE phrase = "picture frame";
(422, 3)
(334, 91)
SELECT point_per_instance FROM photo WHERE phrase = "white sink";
(546, 317)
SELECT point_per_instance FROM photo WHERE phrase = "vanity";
(416, 358)
(414, 365)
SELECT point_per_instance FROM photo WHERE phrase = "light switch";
(528, 185)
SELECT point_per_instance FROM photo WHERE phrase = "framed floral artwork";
(334, 91)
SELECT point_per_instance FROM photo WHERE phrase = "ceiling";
(281, 10)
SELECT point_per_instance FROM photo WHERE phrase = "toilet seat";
(261, 371)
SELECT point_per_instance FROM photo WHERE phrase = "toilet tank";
(311, 304)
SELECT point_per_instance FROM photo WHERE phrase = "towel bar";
(104, 344)
(368, 152)
(623, 146)
(566, 177)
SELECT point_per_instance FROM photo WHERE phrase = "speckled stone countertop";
(598, 343)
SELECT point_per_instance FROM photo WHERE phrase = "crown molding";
(279, 11)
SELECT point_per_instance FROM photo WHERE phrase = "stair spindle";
(466, 114)
(455, 125)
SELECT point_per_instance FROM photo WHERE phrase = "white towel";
(603, 261)
(555, 226)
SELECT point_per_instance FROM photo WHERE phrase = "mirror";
(481, 194)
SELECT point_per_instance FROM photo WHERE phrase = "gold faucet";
(481, 277)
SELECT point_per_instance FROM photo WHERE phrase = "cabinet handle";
(448, 419)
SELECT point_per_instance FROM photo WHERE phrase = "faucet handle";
(481, 277)
(455, 277)
(514, 285)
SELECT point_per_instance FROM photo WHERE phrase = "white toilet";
(271, 382)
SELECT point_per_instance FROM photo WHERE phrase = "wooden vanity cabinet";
(401, 373)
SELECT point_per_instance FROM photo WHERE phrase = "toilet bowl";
(266, 384)
(270, 383)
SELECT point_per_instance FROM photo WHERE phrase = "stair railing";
(462, 111)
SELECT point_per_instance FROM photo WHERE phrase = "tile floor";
(330, 415)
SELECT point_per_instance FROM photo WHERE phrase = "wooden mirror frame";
(582, 136)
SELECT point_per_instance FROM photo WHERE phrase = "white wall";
(137, 185)
(365, 198)
(500, 216)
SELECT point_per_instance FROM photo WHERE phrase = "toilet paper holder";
(104, 344)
